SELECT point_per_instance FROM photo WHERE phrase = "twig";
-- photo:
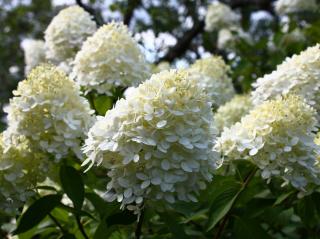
(132, 5)
(183, 43)
(139, 225)
(91, 11)
(80, 226)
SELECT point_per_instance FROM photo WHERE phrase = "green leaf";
(103, 208)
(245, 228)
(282, 198)
(174, 226)
(102, 103)
(308, 210)
(103, 231)
(222, 203)
(36, 212)
(72, 185)
(75, 211)
(68, 236)
(121, 218)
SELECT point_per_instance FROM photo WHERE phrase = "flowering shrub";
(156, 119)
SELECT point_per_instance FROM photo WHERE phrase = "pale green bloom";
(157, 143)
(284, 7)
(278, 137)
(220, 15)
(212, 75)
(20, 170)
(66, 33)
(232, 111)
(47, 108)
(34, 53)
(110, 58)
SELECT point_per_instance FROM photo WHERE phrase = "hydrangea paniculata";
(157, 143)
(299, 75)
(34, 53)
(20, 171)
(278, 136)
(220, 15)
(232, 111)
(47, 108)
(284, 7)
(111, 57)
(212, 74)
(66, 33)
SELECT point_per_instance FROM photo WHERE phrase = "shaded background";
(168, 30)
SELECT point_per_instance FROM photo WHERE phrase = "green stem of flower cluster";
(139, 225)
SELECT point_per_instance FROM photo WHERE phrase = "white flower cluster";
(34, 53)
(47, 108)
(284, 7)
(20, 171)
(232, 111)
(157, 143)
(278, 137)
(227, 37)
(66, 33)
(299, 75)
(212, 74)
(220, 15)
(111, 57)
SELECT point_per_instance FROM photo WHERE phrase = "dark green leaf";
(36, 212)
(245, 228)
(72, 185)
(307, 210)
(103, 231)
(121, 218)
(223, 203)
(282, 198)
(68, 236)
(173, 224)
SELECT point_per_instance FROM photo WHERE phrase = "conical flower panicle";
(157, 143)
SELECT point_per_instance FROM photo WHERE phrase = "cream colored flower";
(110, 58)
(278, 137)
(66, 33)
(227, 38)
(20, 171)
(212, 74)
(232, 111)
(284, 7)
(299, 75)
(157, 143)
(47, 108)
(220, 15)
(34, 53)
(162, 66)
